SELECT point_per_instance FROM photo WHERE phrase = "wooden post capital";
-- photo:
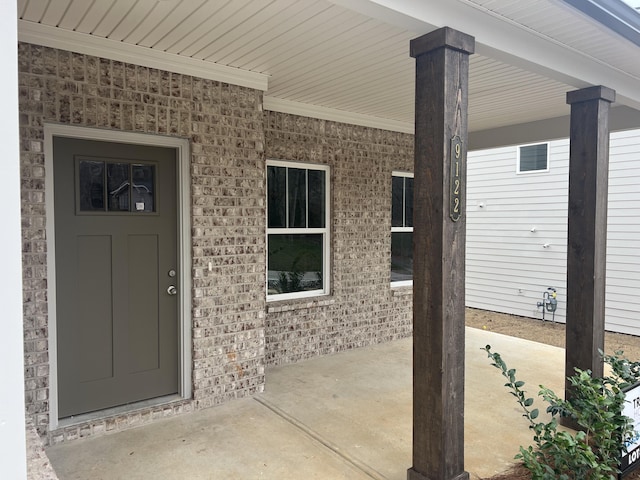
(591, 93)
(443, 37)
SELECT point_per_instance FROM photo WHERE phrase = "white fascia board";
(47, 36)
(332, 114)
(504, 40)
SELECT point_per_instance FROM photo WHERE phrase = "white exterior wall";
(12, 421)
(623, 234)
(509, 266)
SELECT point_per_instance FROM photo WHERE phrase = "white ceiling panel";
(93, 17)
(73, 15)
(159, 12)
(35, 10)
(326, 55)
(54, 13)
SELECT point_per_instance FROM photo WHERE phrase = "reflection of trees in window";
(296, 226)
(401, 227)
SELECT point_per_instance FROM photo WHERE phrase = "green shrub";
(595, 405)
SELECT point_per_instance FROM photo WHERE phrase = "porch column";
(587, 236)
(442, 73)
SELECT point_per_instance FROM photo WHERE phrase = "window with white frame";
(533, 158)
(401, 228)
(297, 230)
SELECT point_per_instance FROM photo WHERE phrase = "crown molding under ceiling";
(54, 37)
(335, 115)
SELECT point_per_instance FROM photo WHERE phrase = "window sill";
(401, 290)
(298, 304)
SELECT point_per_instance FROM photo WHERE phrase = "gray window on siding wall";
(401, 228)
(533, 158)
(297, 230)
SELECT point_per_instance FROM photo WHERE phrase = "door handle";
(172, 290)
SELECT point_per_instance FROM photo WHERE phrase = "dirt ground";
(551, 334)
(545, 332)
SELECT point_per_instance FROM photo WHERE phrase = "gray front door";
(116, 261)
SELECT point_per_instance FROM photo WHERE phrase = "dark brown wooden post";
(587, 236)
(442, 74)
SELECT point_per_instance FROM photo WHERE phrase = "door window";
(115, 187)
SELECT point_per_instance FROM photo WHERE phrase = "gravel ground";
(551, 334)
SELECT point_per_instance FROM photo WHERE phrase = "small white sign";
(139, 206)
(630, 460)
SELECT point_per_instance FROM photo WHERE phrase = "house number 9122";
(455, 207)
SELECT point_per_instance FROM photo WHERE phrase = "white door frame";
(184, 246)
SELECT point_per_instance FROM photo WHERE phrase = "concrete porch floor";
(345, 416)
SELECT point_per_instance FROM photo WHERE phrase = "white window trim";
(401, 283)
(326, 231)
(528, 172)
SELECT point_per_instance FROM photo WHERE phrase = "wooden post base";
(413, 475)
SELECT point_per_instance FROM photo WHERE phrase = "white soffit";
(103, 47)
(345, 60)
(522, 41)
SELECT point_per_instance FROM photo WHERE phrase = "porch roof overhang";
(348, 60)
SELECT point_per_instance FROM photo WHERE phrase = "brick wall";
(233, 338)
(224, 124)
(362, 308)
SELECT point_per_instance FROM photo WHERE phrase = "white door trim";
(184, 245)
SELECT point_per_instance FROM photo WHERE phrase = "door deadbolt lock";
(171, 273)
(172, 290)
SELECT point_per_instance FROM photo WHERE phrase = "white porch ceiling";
(349, 60)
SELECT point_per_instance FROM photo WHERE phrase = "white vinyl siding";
(517, 232)
(623, 234)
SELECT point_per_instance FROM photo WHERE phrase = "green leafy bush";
(596, 406)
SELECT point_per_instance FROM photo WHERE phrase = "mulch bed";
(518, 472)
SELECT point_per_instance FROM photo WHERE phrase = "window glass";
(118, 187)
(402, 227)
(91, 185)
(533, 158)
(297, 230)
(297, 190)
(401, 256)
(106, 186)
(397, 201)
(408, 202)
(142, 187)
(277, 198)
(295, 263)
(317, 198)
